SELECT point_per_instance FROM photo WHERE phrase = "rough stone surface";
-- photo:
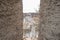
(11, 20)
(49, 20)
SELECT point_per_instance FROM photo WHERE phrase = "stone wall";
(11, 20)
(49, 20)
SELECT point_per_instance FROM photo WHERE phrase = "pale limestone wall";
(49, 20)
(11, 20)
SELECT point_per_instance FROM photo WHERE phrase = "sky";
(30, 5)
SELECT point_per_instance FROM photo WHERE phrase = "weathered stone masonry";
(49, 20)
(11, 20)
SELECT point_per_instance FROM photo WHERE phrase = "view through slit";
(30, 26)
(30, 19)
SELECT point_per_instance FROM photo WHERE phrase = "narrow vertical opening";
(31, 19)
